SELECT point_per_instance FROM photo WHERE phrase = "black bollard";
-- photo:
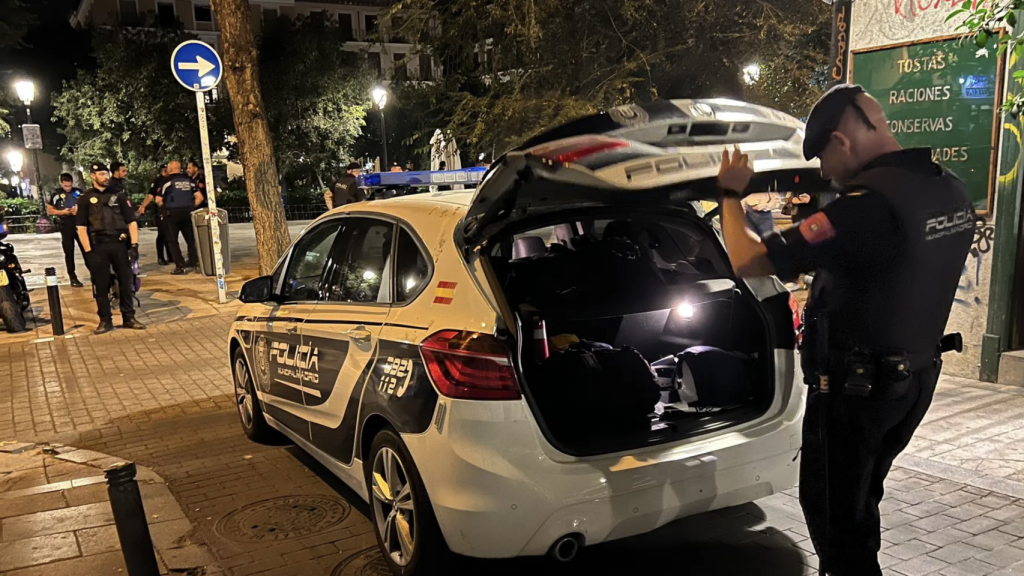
(130, 519)
(53, 295)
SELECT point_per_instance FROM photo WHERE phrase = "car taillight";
(574, 149)
(470, 365)
(794, 307)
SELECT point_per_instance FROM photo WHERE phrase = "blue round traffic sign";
(196, 65)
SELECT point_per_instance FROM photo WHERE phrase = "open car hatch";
(596, 170)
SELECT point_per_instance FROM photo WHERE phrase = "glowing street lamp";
(26, 91)
(16, 160)
(380, 98)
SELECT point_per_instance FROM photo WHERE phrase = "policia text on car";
(887, 266)
(106, 223)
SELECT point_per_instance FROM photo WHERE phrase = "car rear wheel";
(407, 531)
(249, 411)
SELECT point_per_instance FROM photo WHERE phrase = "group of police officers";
(102, 222)
(885, 277)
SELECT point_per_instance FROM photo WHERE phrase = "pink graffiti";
(911, 8)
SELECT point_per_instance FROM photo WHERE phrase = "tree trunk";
(241, 72)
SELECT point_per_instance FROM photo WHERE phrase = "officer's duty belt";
(108, 239)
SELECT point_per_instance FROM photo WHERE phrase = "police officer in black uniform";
(198, 181)
(888, 255)
(105, 222)
(179, 197)
(62, 208)
(163, 253)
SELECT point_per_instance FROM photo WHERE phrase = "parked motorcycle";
(14, 297)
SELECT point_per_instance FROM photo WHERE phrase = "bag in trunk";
(719, 377)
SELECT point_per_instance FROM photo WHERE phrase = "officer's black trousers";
(163, 252)
(103, 257)
(849, 444)
(180, 220)
(68, 239)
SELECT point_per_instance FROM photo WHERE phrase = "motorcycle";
(14, 297)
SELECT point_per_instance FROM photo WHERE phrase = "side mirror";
(257, 290)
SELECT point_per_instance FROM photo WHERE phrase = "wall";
(884, 22)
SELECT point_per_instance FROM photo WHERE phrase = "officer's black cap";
(98, 167)
(826, 116)
(354, 166)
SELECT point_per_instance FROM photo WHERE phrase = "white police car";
(396, 342)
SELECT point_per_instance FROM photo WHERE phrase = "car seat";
(528, 247)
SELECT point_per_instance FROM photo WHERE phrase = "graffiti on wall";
(910, 9)
(968, 291)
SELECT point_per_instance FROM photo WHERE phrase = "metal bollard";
(53, 295)
(130, 519)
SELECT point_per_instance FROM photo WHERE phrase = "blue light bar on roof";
(425, 178)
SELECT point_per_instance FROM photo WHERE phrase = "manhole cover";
(282, 518)
(369, 562)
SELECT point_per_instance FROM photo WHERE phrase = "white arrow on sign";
(201, 65)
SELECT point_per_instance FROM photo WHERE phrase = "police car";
(420, 347)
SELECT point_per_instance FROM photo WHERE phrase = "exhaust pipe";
(565, 548)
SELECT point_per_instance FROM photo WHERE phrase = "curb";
(176, 552)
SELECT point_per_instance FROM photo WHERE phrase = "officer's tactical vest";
(905, 307)
(179, 192)
(105, 218)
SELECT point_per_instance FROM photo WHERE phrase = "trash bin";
(204, 241)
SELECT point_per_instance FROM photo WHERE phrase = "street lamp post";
(380, 98)
(26, 92)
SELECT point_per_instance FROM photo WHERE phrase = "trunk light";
(685, 310)
(470, 366)
(578, 148)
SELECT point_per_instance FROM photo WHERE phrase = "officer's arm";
(133, 232)
(197, 198)
(51, 211)
(83, 237)
(329, 199)
(747, 253)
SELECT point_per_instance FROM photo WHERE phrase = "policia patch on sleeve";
(817, 229)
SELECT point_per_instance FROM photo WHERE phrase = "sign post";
(839, 63)
(197, 66)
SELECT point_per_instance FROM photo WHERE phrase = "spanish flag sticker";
(445, 292)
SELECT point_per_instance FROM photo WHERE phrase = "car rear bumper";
(499, 490)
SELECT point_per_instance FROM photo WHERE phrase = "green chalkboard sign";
(941, 95)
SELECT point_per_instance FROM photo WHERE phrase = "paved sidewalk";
(55, 516)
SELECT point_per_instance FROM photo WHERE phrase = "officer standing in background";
(198, 181)
(63, 206)
(179, 197)
(888, 255)
(118, 175)
(163, 253)
(105, 222)
(344, 190)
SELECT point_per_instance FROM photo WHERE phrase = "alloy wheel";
(243, 393)
(393, 505)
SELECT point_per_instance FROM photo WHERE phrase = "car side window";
(412, 270)
(309, 257)
(363, 257)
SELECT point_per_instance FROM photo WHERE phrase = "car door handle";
(359, 335)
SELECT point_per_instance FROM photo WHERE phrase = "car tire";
(10, 311)
(392, 514)
(250, 413)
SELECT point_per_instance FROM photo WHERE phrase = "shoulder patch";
(817, 229)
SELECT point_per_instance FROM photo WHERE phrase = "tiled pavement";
(55, 517)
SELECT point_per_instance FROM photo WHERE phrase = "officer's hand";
(141, 211)
(133, 253)
(735, 173)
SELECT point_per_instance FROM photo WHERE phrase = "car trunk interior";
(611, 286)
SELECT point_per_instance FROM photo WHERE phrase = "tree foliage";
(516, 67)
(316, 94)
(131, 108)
